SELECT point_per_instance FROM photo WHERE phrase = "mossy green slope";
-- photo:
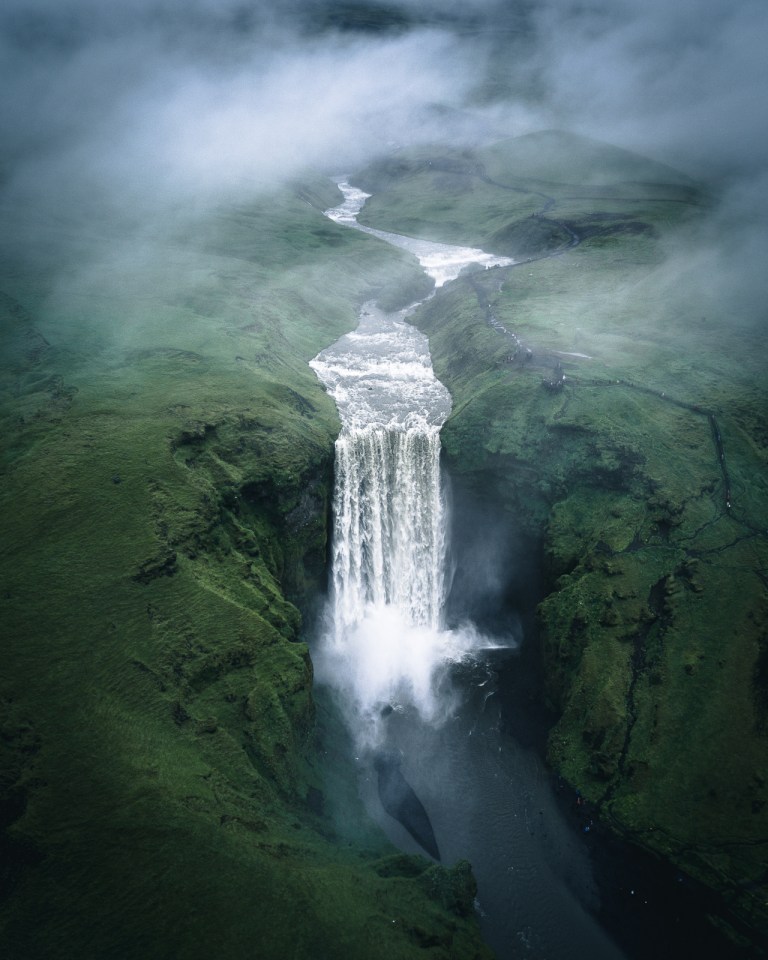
(617, 411)
(168, 786)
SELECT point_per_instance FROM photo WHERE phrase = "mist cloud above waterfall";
(165, 103)
(151, 112)
(682, 81)
(160, 99)
(685, 83)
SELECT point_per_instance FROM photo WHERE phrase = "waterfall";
(458, 788)
(385, 645)
(389, 524)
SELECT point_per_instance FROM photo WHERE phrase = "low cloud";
(142, 116)
(685, 81)
(156, 110)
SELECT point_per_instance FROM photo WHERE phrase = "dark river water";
(491, 801)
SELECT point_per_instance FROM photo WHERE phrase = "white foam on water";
(441, 261)
(381, 375)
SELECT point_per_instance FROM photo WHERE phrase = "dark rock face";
(400, 801)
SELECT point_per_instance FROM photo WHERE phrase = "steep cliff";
(609, 404)
(169, 785)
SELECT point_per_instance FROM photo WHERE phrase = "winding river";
(411, 688)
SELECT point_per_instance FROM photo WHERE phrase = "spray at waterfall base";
(385, 645)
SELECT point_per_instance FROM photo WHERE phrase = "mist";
(172, 108)
(684, 84)
(161, 108)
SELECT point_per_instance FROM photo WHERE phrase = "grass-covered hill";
(614, 406)
(169, 787)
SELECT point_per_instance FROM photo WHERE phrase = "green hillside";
(169, 785)
(615, 411)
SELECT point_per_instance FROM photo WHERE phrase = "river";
(411, 688)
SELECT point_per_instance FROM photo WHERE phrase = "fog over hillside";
(148, 114)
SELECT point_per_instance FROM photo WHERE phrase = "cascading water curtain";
(389, 525)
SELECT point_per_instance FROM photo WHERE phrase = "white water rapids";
(385, 645)
(441, 261)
